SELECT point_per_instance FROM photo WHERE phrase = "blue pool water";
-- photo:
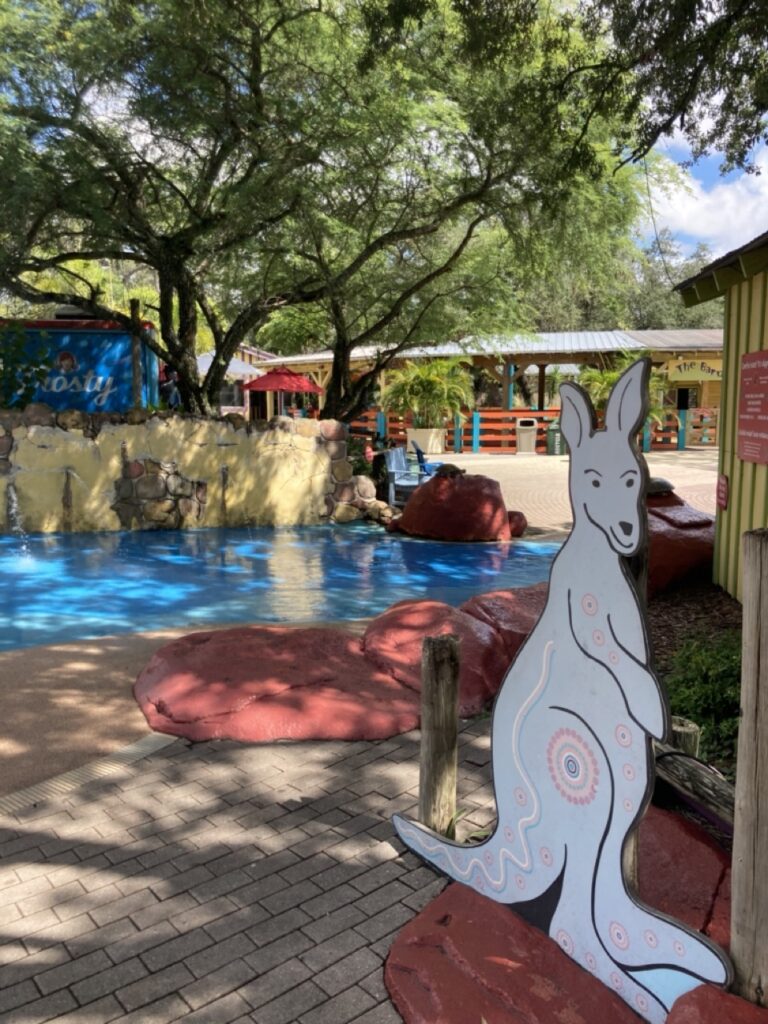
(64, 587)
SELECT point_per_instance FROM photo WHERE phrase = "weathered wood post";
(439, 731)
(135, 354)
(749, 903)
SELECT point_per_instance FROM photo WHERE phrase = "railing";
(500, 431)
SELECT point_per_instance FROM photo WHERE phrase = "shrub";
(704, 684)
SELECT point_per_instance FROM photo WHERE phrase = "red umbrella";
(283, 379)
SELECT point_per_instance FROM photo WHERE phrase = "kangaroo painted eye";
(595, 483)
(630, 482)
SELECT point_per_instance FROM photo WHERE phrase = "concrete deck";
(220, 882)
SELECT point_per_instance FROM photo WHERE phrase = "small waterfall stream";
(13, 513)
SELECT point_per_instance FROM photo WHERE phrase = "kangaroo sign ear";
(628, 403)
(576, 417)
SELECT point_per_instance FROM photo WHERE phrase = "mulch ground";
(694, 609)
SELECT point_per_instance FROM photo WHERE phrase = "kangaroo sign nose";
(626, 528)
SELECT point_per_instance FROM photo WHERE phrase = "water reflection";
(60, 587)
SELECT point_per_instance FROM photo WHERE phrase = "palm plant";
(599, 382)
(431, 391)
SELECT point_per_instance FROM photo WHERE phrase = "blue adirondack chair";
(426, 468)
(402, 479)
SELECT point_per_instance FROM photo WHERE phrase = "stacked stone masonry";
(70, 471)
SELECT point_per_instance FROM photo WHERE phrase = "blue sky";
(725, 212)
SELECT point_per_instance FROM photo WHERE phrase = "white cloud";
(724, 213)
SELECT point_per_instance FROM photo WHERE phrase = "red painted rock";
(393, 642)
(272, 683)
(512, 613)
(681, 542)
(680, 867)
(719, 927)
(709, 1005)
(461, 507)
(467, 959)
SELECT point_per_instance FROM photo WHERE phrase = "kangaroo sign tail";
(489, 867)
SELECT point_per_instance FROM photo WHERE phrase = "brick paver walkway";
(220, 882)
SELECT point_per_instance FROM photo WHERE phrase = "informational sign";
(694, 370)
(752, 436)
(89, 367)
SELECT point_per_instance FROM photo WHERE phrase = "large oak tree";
(261, 156)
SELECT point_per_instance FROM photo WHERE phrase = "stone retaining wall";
(71, 471)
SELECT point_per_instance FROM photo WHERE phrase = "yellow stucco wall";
(746, 330)
(63, 480)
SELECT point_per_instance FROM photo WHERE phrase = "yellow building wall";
(746, 330)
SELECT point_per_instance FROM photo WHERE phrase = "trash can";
(526, 436)
(554, 439)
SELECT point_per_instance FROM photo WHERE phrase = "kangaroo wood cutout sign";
(571, 739)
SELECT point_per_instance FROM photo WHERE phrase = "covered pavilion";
(692, 359)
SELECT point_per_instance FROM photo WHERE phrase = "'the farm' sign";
(752, 441)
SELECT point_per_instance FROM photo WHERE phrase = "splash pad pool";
(65, 587)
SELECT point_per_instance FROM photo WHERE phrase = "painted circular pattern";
(629, 806)
(521, 797)
(617, 981)
(520, 882)
(546, 857)
(628, 772)
(564, 941)
(651, 939)
(510, 835)
(623, 735)
(641, 1002)
(591, 962)
(599, 637)
(572, 767)
(679, 948)
(488, 857)
(613, 657)
(589, 604)
(619, 936)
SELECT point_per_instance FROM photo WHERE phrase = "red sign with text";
(752, 440)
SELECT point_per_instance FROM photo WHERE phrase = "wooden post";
(686, 735)
(749, 902)
(439, 731)
(135, 354)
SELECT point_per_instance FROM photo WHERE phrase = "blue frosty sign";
(89, 366)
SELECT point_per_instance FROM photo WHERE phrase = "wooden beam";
(726, 277)
(695, 782)
(136, 375)
(438, 766)
(689, 297)
(542, 396)
(749, 900)
(707, 289)
(754, 262)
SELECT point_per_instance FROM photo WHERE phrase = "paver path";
(218, 882)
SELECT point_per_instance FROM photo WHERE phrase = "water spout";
(13, 518)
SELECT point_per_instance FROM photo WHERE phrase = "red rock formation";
(272, 683)
(465, 957)
(708, 1005)
(681, 541)
(463, 506)
(393, 642)
(512, 613)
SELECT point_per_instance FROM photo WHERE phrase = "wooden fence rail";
(507, 431)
